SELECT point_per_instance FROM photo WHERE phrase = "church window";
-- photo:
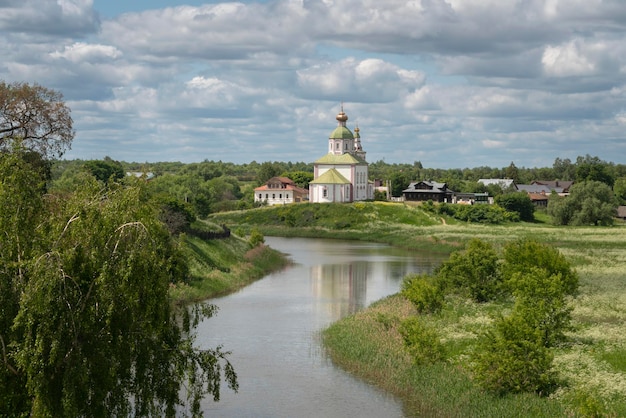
(324, 192)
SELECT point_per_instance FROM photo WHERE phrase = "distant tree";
(267, 170)
(619, 188)
(593, 169)
(564, 169)
(301, 178)
(399, 181)
(518, 202)
(35, 116)
(105, 170)
(511, 172)
(589, 203)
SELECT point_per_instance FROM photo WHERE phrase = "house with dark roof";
(559, 186)
(423, 191)
(280, 191)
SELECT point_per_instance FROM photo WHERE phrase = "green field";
(591, 365)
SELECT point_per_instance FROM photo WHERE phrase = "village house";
(423, 191)
(280, 191)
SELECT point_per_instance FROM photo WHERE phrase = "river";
(272, 328)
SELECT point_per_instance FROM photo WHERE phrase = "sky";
(448, 83)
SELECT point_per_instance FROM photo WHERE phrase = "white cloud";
(80, 51)
(566, 60)
(497, 80)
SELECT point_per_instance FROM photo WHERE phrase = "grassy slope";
(223, 265)
(594, 364)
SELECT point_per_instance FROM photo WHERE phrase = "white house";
(342, 174)
(280, 191)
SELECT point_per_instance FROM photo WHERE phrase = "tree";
(267, 170)
(105, 170)
(589, 203)
(87, 325)
(21, 211)
(518, 202)
(593, 169)
(511, 172)
(35, 116)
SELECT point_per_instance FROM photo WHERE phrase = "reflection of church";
(342, 174)
(347, 282)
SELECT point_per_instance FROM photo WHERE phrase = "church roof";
(341, 132)
(347, 158)
(331, 176)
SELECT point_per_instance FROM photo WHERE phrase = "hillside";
(221, 266)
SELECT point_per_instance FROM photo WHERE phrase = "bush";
(256, 237)
(423, 293)
(526, 255)
(541, 301)
(519, 203)
(511, 358)
(474, 270)
(421, 341)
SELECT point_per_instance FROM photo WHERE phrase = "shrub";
(526, 255)
(474, 270)
(511, 358)
(421, 341)
(423, 293)
(256, 237)
(519, 203)
(540, 300)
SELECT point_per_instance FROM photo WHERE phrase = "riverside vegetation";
(445, 352)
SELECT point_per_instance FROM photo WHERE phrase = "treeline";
(214, 186)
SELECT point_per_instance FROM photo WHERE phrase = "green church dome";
(341, 132)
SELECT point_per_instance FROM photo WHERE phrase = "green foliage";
(540, 300)
(423, 293)
(266, 171)
(474, 271)
(422, 342)
(21, 211)
(511, 358)
(589, 203)
(88, 322)
(526, 255)
(300, 178)
(590, 168)
(487, 214)
(256, 237)
(518, 202)
(105, 170)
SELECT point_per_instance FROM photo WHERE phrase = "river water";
(272, 328)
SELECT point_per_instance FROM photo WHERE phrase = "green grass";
(223, 265)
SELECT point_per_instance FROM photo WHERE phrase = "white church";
(342, 174)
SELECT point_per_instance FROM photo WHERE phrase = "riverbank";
(592, 364)
(221, 266)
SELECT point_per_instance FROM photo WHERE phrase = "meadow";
(591, 365)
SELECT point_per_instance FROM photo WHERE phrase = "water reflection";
(272, 328)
